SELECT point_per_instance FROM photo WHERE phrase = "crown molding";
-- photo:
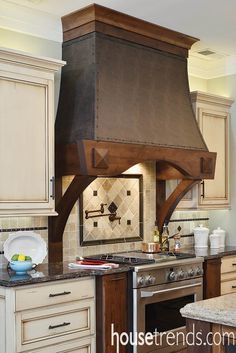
(33, 22)
(209, 69)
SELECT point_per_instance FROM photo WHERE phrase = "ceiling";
(213, 21)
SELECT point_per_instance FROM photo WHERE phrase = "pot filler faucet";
(112, 215)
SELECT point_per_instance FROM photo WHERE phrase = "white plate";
(27, 243)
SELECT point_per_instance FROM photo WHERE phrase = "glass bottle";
(165, 238)
(156, 234)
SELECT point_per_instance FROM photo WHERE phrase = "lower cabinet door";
(2, 326)
(53, 325)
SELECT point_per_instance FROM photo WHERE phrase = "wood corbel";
(64, 205)
(165, 207)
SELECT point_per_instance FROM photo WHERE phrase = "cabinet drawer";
(228, 287)
(228, 276)
(44, 327)
(50, 294)
(83, 345)
(228, 264)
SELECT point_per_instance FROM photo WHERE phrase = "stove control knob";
(150, 280)
(181, 274)
(140, 281)
(172, 276)
(191, 273)
(199, 271)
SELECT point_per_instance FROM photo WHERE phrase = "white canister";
(221, 233)
(201, 236)
(215, 241)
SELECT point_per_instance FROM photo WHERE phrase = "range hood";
(125, 99)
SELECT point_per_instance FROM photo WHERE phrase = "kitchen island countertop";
(219, 310)
(51, 272)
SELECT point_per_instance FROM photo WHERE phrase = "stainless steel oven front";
(157, 323)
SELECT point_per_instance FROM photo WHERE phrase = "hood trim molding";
(90, 157)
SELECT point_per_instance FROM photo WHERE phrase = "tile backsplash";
(71, 239)
(118, 196)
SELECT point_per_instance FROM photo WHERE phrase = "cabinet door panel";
(214, 129)
(2, 327)
(23, 142)
(213, 114)
(27, 134)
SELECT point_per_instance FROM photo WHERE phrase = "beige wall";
(197, 84)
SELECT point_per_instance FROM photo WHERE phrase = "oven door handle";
(146, 294)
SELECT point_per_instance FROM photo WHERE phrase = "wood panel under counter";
(212, 325)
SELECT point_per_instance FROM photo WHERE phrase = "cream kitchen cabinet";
(213, 115)
(59, 317)
(3, 319)
(228, 274)
(27, 134)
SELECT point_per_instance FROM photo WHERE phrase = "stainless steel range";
(161, 285)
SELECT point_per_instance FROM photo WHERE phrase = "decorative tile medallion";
(117, 210)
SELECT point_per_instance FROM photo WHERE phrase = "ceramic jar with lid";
(221, 233)
(215, 240)
(201, 236)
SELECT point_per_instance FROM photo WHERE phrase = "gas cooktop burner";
(136, 258)
(121, 259)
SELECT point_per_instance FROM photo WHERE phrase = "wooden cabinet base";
(211, 278)
(207, 337)
(112, 306)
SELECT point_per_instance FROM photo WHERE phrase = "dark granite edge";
(213, 253)
(71, 274)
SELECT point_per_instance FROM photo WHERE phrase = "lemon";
(21, 257)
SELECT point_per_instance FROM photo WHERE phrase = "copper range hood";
(125, 99)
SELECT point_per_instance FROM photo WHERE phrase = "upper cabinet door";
(212, 114)
(26, 134)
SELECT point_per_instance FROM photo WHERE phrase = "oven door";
(157, 312)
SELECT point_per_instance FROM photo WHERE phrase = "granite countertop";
(51, 272)
(219, 310)
(209, 253)
(60, 271)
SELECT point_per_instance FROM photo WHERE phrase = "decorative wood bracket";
(65, 203)
(165, 207)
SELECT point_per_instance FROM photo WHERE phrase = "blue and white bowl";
(21, 267)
